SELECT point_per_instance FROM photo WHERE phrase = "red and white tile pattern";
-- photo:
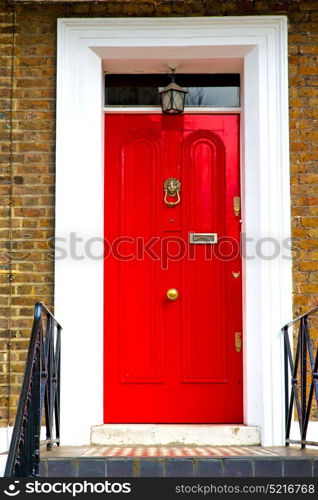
(177, 451)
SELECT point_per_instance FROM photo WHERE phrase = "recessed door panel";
(139, 331)
(204, 188)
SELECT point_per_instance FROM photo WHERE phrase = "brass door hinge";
(237, 205)
(238, 341)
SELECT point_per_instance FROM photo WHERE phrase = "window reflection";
(132, 96)
(213, 96)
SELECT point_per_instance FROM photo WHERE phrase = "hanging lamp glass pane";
(178, 99)
(166, 101)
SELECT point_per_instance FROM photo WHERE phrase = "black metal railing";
(40, 388)
(301, 357)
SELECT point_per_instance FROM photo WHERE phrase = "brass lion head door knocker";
(172, 188)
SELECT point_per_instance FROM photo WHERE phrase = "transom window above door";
(219, 90)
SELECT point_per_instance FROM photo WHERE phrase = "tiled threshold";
(90, 451)
(159, 451)
(205, 461)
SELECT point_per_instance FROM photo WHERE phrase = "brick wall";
(27, 152)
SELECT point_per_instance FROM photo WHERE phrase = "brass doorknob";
(172, 294)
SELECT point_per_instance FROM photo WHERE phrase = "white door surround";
(86, 47)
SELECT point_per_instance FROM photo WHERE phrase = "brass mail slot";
(204, 238)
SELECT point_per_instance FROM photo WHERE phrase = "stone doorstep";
(175, 434)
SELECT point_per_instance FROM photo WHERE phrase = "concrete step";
(175, 434)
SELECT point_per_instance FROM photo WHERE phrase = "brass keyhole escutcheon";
(172, 294)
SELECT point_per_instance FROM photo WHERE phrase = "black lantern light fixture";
(172, 97)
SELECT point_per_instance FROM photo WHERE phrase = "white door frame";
(260, 44)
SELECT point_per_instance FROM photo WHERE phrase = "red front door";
(172, 361)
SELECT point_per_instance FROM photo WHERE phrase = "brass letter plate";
(203, 238)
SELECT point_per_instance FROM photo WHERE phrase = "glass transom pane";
(203, 89)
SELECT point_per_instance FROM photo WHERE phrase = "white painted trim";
(5, 437)
(312, 431)
(157, 110)
(262, 44)
(3, 462)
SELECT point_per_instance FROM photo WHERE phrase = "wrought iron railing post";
(49, 425)
(303, 376)
(36, 409)
(40, 389)
(285, 333)
(58, 385)
(303, 359)
(314, 383)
